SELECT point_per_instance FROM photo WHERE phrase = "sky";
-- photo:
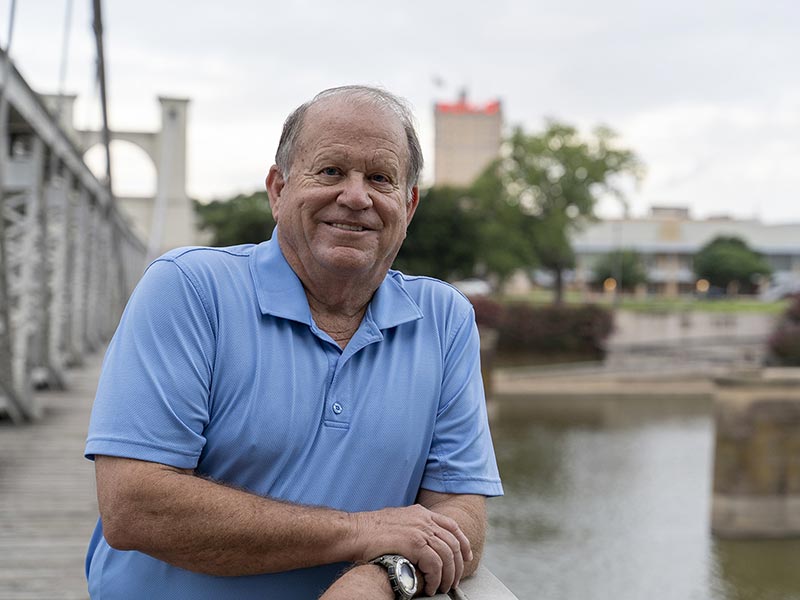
(706, 93)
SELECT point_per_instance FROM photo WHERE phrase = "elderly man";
(293, 419)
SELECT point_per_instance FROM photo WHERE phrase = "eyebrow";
(382, 160)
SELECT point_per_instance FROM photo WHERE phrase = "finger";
(455, 549)
(448, 569)
(430, 563)
(452, 527)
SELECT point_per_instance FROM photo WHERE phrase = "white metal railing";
(68, 258)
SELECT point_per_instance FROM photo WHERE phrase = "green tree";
(620, 264)
(729, 263)
(243, 219)
(553, 179)
(505, 231)
(442, 238)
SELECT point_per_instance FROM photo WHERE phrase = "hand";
(432, 541)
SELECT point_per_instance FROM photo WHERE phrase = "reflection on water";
(617, 507)
(766, 570)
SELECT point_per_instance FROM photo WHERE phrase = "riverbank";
(598, 394)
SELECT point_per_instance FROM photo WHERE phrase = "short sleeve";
(462, 459)
(152, 396)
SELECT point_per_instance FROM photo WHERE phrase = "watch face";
(406, 577)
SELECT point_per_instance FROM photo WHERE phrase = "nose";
(355, 193)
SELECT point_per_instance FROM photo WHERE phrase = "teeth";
(347, 227)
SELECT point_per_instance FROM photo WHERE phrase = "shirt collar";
(280, 292)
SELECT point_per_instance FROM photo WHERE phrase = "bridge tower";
(167, 220)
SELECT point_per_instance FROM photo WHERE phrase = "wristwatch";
(402, 575)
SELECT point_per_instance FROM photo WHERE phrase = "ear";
(274, 183)
(411, 205)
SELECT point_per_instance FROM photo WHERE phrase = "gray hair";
(377, 97)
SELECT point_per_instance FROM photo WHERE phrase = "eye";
(329, 171)
(380, 178)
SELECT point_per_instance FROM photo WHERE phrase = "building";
(468, 138)
(668, 239)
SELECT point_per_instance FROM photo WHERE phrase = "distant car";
(473, 287)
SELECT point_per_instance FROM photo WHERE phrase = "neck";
(338, 321)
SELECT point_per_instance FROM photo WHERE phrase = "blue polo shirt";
(218, 366)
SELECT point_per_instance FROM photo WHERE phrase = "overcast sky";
(707, 93)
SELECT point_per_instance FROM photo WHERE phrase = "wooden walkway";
(47, 495)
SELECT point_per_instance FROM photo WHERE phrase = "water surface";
(616, 505)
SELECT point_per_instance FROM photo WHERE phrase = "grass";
(742, 304)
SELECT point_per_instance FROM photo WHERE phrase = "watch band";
(402, 575)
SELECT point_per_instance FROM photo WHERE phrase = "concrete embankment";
(597, 395)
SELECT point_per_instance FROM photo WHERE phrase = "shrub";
(784, 343)
(488, 312)
(577, 332)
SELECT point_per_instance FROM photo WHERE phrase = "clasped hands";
(433, 542)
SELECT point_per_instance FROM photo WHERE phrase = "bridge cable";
(62, 70)
(101, 75)
(116, 240)
(62, 76)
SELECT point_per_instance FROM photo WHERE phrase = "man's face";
(343, 209)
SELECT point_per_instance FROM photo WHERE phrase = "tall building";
(468, 138)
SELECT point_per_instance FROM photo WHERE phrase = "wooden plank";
(48, 507)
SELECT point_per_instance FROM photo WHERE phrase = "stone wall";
(757, 455)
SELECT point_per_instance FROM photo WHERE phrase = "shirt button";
(337, 408)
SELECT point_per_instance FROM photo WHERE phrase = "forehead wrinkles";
(338, 126)
(384, 155)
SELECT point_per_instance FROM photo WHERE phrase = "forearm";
(204, 526)
(364, 582)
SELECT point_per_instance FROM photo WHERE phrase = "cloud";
(705, 92)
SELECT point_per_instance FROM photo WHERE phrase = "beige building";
(468, 138)
(668, 239)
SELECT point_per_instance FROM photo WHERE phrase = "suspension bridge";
(70, 254)
(70, 251)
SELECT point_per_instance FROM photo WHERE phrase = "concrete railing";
(483, 585)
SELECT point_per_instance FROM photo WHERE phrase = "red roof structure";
(462, 107)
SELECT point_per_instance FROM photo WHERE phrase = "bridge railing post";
(79, 234)
(20, 236)
(64, 267)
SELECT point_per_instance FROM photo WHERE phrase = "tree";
(729, 263)
(624, 265)
(554, 179)
(505, 231)
(243, 219)
(442, 237)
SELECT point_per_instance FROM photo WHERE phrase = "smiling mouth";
(345, 227)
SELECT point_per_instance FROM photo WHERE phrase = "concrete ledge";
(483, 585)
(756, 516)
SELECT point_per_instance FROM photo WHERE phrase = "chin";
(349, 262)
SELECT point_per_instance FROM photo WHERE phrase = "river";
(618, 508)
